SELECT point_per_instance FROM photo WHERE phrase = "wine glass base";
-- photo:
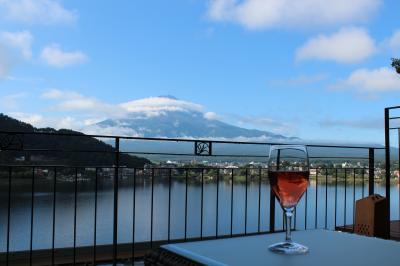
(290, 248)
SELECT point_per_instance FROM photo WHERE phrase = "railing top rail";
(392, 107)
(192, 140)
(164, 168)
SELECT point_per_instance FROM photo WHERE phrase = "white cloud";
(372, 80)
(151, 106)
(394, 41)
(12, 101)
(37, 12)
(39, 121)
(348, 45)
(154, 106)
(210, 116)
(265, 123)
(258, 14)
(111, 131)
(66, 122)
(6, 62)
(22, 41)
(13, 46)
(59, 94)
(54, 56)
(92, 121)
(79, 104)
(76, 102)
(33, 119)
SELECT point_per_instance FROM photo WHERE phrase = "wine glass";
(288, 173)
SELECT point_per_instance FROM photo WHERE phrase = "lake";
(43, 207)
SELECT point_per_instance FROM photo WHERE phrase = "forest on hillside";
(33, 149)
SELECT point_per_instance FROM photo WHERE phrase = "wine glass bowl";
(288, 173)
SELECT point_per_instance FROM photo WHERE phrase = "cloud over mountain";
(155, 106)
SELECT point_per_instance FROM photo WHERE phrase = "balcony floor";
(394, 229)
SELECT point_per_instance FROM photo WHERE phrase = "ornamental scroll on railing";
(203, 148)
(11, 141)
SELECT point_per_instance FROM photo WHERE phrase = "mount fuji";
(169, 117)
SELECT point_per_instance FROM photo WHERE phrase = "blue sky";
(312, 69)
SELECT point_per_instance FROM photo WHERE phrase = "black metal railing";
(228, 201)
(391, 124)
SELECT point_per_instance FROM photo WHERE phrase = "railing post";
(398, 150)
(371, 169)
(387, 159)
(115, 223)
(398, 162)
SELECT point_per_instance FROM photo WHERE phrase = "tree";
(396, 64)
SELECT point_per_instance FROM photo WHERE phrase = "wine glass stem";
(288, 223)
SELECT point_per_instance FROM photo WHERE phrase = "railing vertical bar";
(202, 198)
(336, 172)
(354, 196)
(363, 184)
(326, 198)
(232, 202)
(271, 207)
(259, 199)
(32, 206)
(295, 217)
(245, 205)
(8, 215)
(54, 217)
(186, 202)
(75, 207)
(152, 208)
(316, 199)
(305, 210)
(371, 171)
(96, 180)
(345, 196)
(283, 222)
(115, 213)
(387, 160)
(217, 206)
(169, 204)
(398, 162)
(134, 215)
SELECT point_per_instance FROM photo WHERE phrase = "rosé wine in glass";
(288, 173)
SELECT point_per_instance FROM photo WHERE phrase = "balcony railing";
(58, 211)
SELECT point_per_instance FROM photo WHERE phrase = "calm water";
(43, 206)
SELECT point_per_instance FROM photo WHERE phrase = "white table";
(327, 248)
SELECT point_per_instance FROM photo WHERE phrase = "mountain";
(166, 116)
(40, 142)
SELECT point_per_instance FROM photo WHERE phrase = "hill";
(103, 157)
